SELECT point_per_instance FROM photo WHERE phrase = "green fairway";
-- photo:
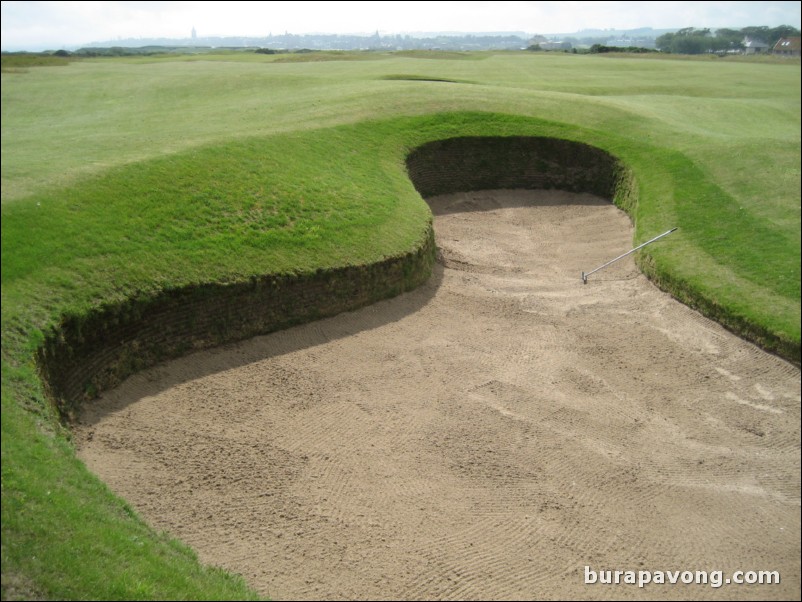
(124, 178)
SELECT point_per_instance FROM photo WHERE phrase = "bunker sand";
(485, 436)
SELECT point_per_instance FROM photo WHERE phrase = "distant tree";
(761, 32)
(664, 41)
(61, 53)
(265, 51)
(728, 39)
(686, 41)
(688, 45)
(534, 48)
(783, 31)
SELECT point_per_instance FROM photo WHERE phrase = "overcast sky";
(53, 25)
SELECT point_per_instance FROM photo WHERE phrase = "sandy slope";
(486, 436)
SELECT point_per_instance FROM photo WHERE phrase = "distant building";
(555, 46)
(628, 42)
(787, 47)
(754, 46)
(622, 42)
(194, 33)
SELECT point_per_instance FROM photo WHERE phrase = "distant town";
(689, 40)
(453, 41)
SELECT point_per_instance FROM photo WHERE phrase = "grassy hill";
(124, 178)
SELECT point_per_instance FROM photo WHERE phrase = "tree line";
(700, 41)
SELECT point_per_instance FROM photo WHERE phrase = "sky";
(52, 25)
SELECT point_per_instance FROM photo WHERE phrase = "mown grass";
(123, 177)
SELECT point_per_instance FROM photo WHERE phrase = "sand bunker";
(486, 436)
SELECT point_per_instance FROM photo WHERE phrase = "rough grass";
(22, 62)
(129, 175)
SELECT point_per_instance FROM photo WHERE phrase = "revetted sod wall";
(477, 163)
